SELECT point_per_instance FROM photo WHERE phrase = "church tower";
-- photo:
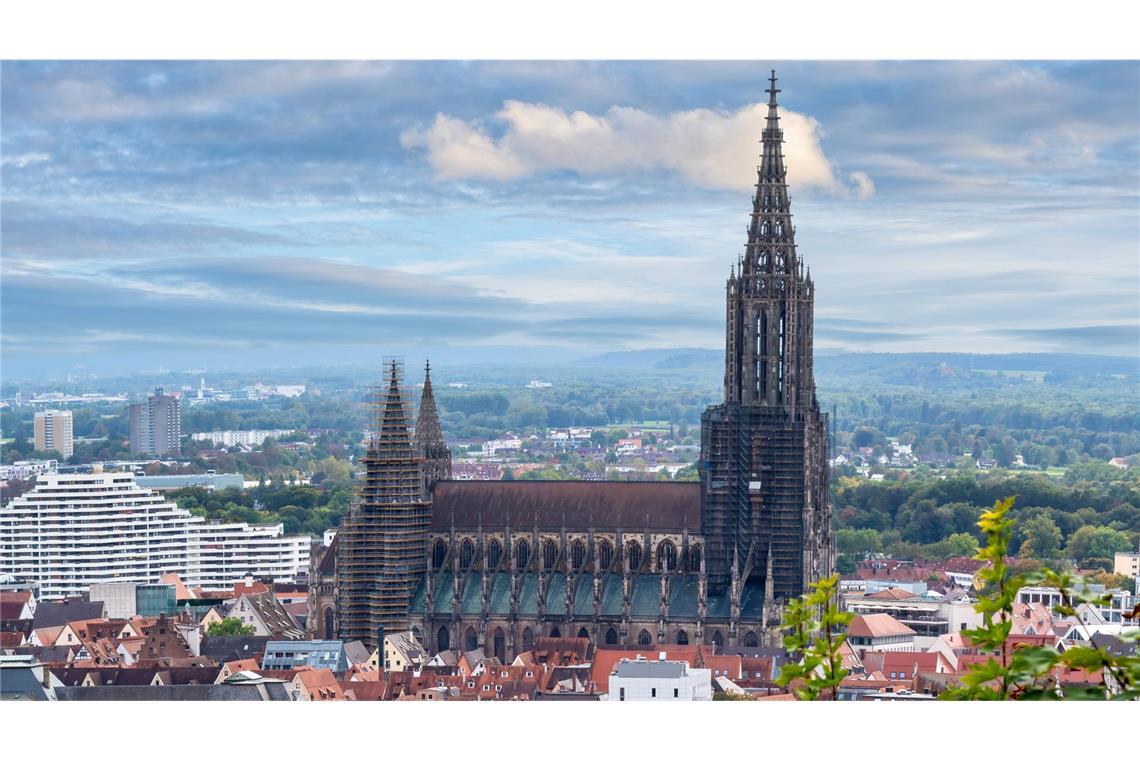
(435, 456)
(764, 478)
(380, 544)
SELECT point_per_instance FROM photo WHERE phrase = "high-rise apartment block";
(53, 432)
(156, 425)
(75, 530)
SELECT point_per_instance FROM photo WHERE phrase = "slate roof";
(52, 614)
(263, 692)
(228, 648)
(273, 615)
(603, 505)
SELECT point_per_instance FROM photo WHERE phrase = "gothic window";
(549, 554)
(633, 555)
(330, 626)
(750, 639)
(605, 554)
(682, 638)
(779, 228)
(781, 263)
(577, 554)
(500, 645)
(466, 554)
(717, 639)
(555, 633)
(764, 228)
(583, 633)
(666, 556)
(442, 639)
(695, 558)
(527, 639)
(644, 638)
(494, 553)
(611, 636)
(438, 554)
(522, 555)
(471, 640)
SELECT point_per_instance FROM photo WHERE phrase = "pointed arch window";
(438, 554)
(682, 638)
(611, 636)
(717, 640)
(500, 645)
(583, 633)
(555, 633)
(549, 554)
(471, 640)
(527, 639)
(494, 553)
(578, 554)
(644, 638)
(466, 554)
(522, 555)
(633, 555)
(695, 558)
(751, 640)
(442, 639)
(666, 556)
(605, 554)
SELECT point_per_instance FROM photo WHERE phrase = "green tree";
(1089, 542)
(1042, 538)
(962, 545)
(230, 627)
(817, 630)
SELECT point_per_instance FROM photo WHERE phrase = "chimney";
(661, 656)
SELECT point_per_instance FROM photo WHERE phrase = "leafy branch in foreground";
(817, 631)
(1034, 671)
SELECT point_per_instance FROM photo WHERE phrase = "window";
(577, 554)
(633, 555)
(621, 694)
(494, 554)
(653, 693)
(438, 554)
(549, 554)
(466, 554)
(605, 554)
(644, 639)
(682, 638)
(522, 555)
(676, 693)
(666, 557)
(611, 636)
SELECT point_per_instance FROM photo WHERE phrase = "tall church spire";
(429, 438)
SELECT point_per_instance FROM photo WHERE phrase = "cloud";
(1088, 339)
(711, 148)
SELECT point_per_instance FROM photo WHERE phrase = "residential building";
(402, 652)
(75, 530)
(156, 425)
(52, 429)
(1127, 564)
(208, 481)
(266, 615)
(661, 680)
(240, 437)
(292, 655)
(879, 633)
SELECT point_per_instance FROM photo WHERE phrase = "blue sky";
(236, 214)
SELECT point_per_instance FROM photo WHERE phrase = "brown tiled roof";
(579, 504)
(894, 593)
(878, 625)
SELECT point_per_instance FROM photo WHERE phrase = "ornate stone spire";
(429, 443)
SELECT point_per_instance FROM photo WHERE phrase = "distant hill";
(887, 364)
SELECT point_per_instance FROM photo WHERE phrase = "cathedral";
(494, 565)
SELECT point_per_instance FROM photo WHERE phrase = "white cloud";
(711, 148)
(24, 159)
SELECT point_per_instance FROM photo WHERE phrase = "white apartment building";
(643, 680)
(52, 432)
(72, 531)
(240, 437)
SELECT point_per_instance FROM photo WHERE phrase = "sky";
(242, 214)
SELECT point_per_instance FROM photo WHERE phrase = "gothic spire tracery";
(430, 445)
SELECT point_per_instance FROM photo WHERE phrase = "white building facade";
(72, 531)
(240, 437)
(643, 680)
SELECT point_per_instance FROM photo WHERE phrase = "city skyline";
(211, 213)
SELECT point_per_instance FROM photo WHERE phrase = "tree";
(817, 633)
(962, 545)
(1042, 538)
(230, 627)
(1089, 542)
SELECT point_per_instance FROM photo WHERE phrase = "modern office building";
(72, 531)
(643, 680)
(53, 432)
(156, 425)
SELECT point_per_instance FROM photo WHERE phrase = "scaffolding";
(381, 557)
